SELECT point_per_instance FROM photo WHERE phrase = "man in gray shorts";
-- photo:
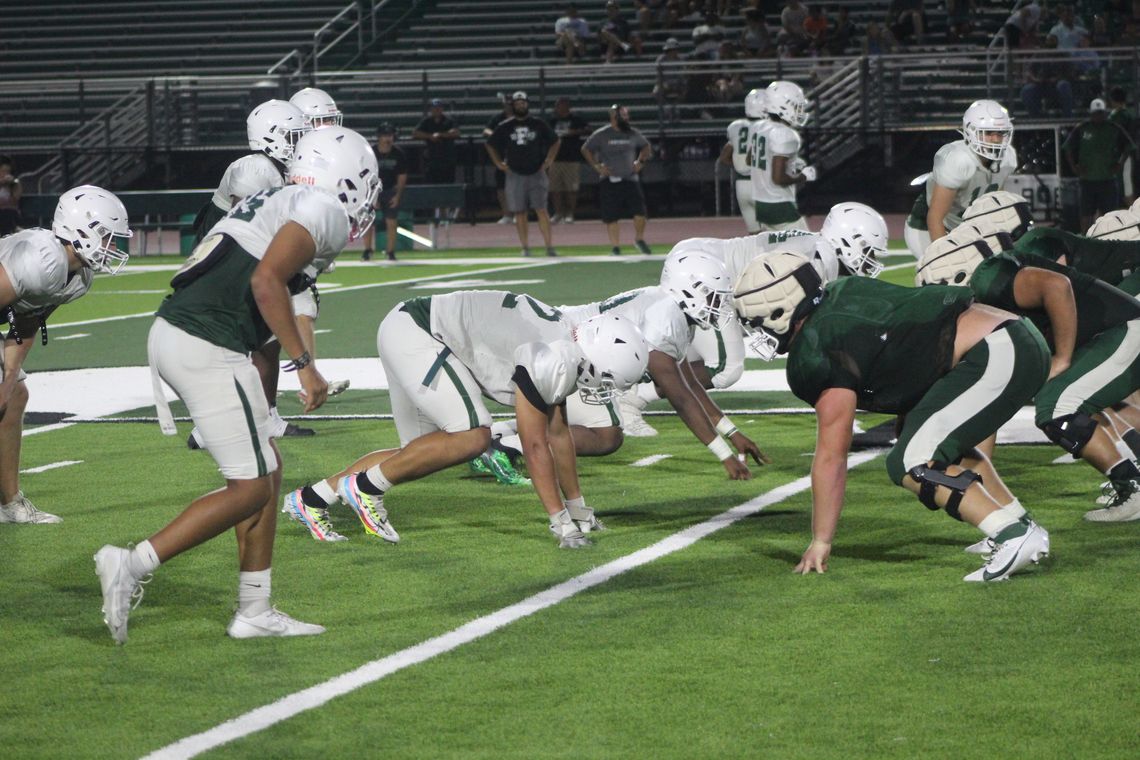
(524, 147)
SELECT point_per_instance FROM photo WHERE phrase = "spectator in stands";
(10, 192)
(392, 166)
(615, 36)
(879, 40)
(650, 14)
(707, 38)
(1100, 36)
(815, 27)
(1021, 27)
(960, 16)
(1070, 34)
(841, 33)
(1095, 151)
(500, 176)
(618, 153)
(566, 172)
(671, 83)
(906, 20)
(1121, 115)
(792, 38)
(524, 147)
(727, 85)
(755, 39)
(1048, 78)
(441, 155)
(571, 33)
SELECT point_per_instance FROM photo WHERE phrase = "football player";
(773, 155)
(230, 296)
(954, 369)
(964, 169)
(41, 270)
(318, 107)
(735, 154)
(1095, 334)
(440, 353)
(694, 292)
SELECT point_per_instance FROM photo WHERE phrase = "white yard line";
(47, 428)
(52, 466)
(316, 696)
(647, 461)
(73, 336)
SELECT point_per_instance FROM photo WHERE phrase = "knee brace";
(929, 477)
(1071, 432)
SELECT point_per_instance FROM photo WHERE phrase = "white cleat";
(1012, 555)
(1124, 505)
(21, 510)
(1107, 494)
(122, 592)
(272, 622)
(632, 423)
(338, 387)
(369, 508)
(985, 547)
(590, 524)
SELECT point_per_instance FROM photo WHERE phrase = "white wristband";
(720, 448)
(725, 427)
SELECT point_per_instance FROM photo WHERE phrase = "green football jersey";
(1099, 305)
(1108, 260)
(887, 343)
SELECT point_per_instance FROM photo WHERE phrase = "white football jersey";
(36, 264)
(664, 325)
(766, 140)
(959, 168)
(256, 219)
(738, 139)
(246, 176)
(492, 332)
(737, 253)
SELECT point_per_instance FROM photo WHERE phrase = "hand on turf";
(746, 445)
(314, 388)
(737, 470)
(815, 558)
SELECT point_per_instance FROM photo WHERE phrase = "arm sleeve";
(324, 218)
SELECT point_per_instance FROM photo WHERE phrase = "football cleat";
(499, 465)
(295, 431)
(316, 519)
(642, 247)
(632, 423)
(22, 510)
(338, 387)
(1124, 505)
(591, 524)
(122, 592)
(985, 547)
(194, 443)
(369, 508)
(272, 622)
(1012, 555)
(570, 536)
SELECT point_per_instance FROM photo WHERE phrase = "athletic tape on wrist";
(720, 448)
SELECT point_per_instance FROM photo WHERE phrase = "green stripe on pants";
(472, 416)
(1104, 371)
(247, 410)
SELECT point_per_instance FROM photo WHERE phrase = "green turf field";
(716, 650)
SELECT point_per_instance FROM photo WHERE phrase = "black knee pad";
(929, 477)
(1070, 432)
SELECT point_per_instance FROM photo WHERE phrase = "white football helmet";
(90, 219)
(318, 107)
(1116, 225)
(756, 104)
(769, 291)
(952, 259)
(274, 127)
(787, 100)
(341, 162)
(700, 284)
(1002, 211)
(985, 116)
(614, 357)
(858, 235)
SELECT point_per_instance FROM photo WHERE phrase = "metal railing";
(356, 26)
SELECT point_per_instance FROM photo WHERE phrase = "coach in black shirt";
(392, 163)
(524, 147)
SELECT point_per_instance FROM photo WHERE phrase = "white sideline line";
(52, 466)
(365, 286)
(646, 461)
(315, 696)
(73, 336)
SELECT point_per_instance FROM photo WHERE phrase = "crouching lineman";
(1095, 333)
(39, 271)
(439, 353)
(229, 297)
(956, 370)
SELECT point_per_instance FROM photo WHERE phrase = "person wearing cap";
(392, 163)
(439, 133)
(566, 172)
(524, 147)
(500, 176)
(618, 153)
(1095, 151)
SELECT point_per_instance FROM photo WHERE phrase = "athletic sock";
(253, 592)
(1015, 510)
(1132, 439)
(997, 522)
(1123, 470)
(143, 560)
(1017, 529)
(373, 481)
(647, 392)
(319, 494)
